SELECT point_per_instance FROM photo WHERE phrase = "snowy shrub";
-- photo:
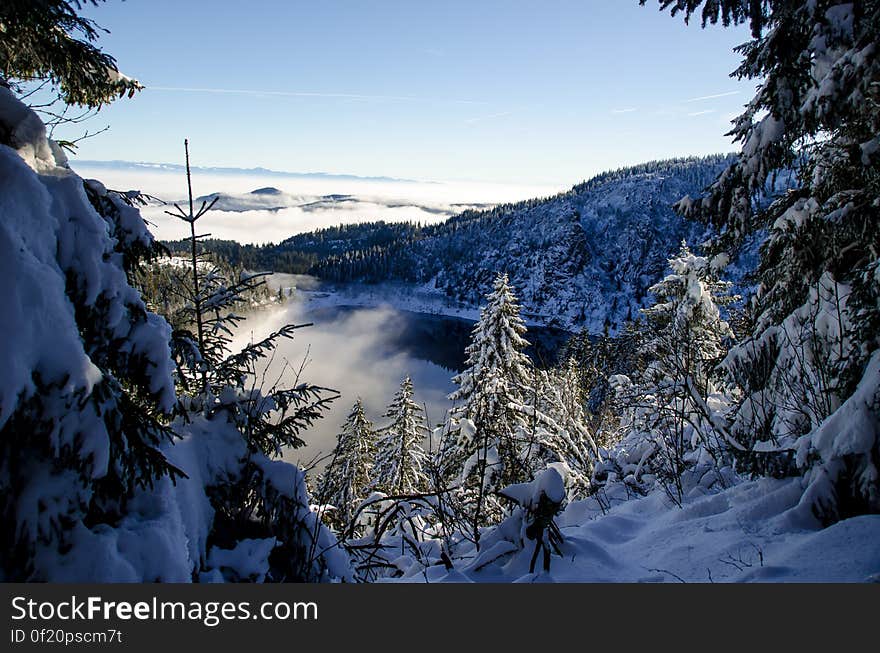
(672, 426)
(394, 535)
(538, 502)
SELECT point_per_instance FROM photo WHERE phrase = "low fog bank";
(354, 352)
(260, 227)
(365, 200)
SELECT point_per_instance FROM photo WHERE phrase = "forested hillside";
(582, 259)
(304, 253)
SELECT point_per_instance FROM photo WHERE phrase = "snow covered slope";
(756, 531)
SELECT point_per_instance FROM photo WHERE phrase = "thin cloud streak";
(306, 94)
(492, 116)
(629, 110)
(701, 113)
(712, 97)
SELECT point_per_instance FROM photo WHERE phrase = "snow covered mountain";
(584, 258)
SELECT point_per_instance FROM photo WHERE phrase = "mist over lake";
(365, 352)
(360, 351)
(353, 352)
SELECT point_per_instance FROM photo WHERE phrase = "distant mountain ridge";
(262, 172)
(274, 199)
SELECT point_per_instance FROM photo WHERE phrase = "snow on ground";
(752, 532)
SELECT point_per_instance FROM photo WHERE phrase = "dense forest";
(303, 253)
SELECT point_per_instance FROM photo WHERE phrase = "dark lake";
(442, 339)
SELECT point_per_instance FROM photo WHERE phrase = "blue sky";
(549, 91)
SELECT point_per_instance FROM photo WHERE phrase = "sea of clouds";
(301, 204)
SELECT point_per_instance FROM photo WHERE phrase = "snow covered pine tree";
(346, 480)
(401, 460)
(87, 380)
(394, 518)
(481, 448)
(809, 372)
(673, 408)
(97, 483)
(87, 386)
(558, 423)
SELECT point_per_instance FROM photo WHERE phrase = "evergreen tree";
(221, 388)
(401, 461)
(816, 112)
(560, 427)
(49, 40)
(484, 445)
(689, 336)
(345, 482)
(688, 340)
(675, 400)
(597, 359)
(87, 388)
(84, 419)
(98, 481)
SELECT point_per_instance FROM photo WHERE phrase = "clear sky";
(544, 91)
